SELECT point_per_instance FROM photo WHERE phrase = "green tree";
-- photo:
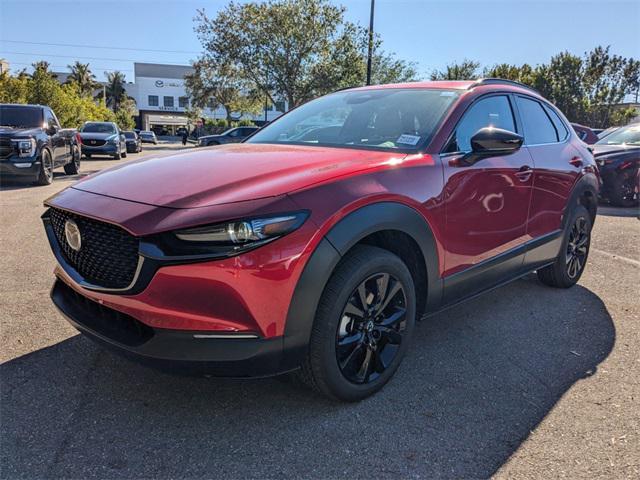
(465, 70)
(222, 84)
(115, 90)
(81, 74)
(125, 113)
(294, 50)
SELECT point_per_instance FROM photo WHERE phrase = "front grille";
(94, 143)
(108, 255)
(6, 148)
(105, 321)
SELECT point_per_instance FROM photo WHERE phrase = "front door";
(486, 204)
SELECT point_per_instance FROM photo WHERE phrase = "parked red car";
(316, 244)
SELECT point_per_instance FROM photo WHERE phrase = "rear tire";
(73, 167)
(87, 155)
(572, 259)
(45, 176)
(363, 325)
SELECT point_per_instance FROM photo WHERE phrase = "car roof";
(483, 85)
(23, 105)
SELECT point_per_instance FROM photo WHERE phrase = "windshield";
(378, 119)
(629, 135)
(98, 128)
(146, 134)
(130, 135)
(21, 117)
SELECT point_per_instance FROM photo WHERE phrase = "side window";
(234, 133)
(560, 128)
(538, 127)
(492, 111)
(51, 119)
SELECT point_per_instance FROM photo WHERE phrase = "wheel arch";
(585, 193)
(383, 224)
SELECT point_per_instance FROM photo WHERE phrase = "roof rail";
(500, 81)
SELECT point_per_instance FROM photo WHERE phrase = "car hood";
(19, 132)
(231, 173)
(601, 149)
(95, 136)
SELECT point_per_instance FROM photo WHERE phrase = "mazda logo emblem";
(93, 142)
(72, 235)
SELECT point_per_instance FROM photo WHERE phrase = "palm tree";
(82, 76)
(115, 90)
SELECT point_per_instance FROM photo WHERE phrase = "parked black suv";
(233, 135)
(32, 144)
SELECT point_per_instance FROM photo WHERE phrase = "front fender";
(336, 243)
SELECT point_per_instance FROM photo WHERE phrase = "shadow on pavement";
(477, 380)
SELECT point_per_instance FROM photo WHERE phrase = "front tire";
(363, 325)
(45, 176)
(625, 190)
(568, 267)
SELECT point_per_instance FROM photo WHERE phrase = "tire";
(565, 272)
(45, 175)
(124, 154)
(73, 167)
(343, 337)
(625, 190)
(87, 155)
(117, 156)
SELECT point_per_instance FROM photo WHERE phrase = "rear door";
(487, 203)
(546, 136)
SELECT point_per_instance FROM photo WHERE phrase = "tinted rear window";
(538, 127)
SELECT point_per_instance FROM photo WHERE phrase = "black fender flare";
(587, 183)
(336, 243)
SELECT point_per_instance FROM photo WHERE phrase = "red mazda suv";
(316, 243)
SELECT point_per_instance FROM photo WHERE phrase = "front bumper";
(29, 167)
(226, 355)
(106, 149)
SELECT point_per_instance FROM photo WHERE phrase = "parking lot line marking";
(617, 257)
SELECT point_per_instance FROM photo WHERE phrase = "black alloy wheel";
(576, 255)
(371, 328)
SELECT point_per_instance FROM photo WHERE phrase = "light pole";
(370, 54)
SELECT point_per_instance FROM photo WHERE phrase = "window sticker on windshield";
(446, 94)
(408, 139)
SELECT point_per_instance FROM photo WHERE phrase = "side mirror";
(491, 142)
(52, 129)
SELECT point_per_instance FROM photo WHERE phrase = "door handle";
(576, 162)
(524, 173)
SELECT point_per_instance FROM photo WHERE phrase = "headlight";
(223, 239)
(113, 139)
(26, 147)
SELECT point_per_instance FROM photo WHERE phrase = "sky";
(112, 34)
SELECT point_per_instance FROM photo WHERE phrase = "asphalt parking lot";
(526, 381)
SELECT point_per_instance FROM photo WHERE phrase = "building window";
(183, 102)
(168, 101)
(280, 106)
(153, 100)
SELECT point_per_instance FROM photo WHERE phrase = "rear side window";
(538, 127)
(492, 111)
(560, 128)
